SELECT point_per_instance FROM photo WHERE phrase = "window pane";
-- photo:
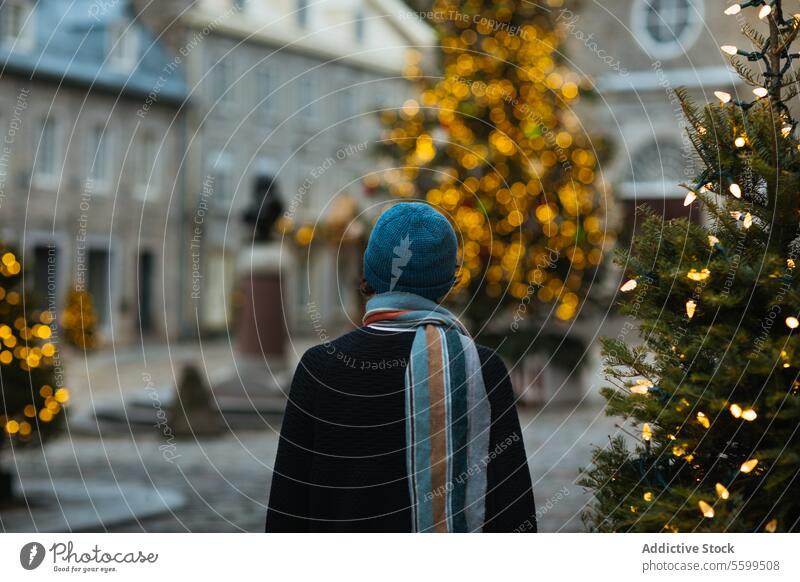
(219, 168)
(221, 77)
(46, 159)
(302, 12)
(306, 87)
(667, 20)
(265, 87)
(147, 174)
(14, 17)
(98, 155)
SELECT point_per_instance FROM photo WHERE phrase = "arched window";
(655, 170)
(667, 28)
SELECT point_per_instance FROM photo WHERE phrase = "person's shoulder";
(491, 360)
(328, 345)
(332, 349)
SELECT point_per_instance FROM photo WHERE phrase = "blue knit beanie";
(413, 249)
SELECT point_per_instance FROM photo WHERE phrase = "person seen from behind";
(405, 424)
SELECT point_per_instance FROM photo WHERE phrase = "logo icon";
(31, 555)
(402, 254)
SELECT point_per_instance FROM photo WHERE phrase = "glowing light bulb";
(739, 142)
(722, 491)
(735, 190)
(629, 285)
(748, 465)
(760, 92)
(703, 419)
(765, 11)
(723, 96)
(748, 220)
(790, 263)
(712, 240)
(736, 410)
(705, 509)
(647, 432)
(771, 526)
(695, 275)
(749, 415)
(733, 9)
(786, 130)
(729, 49)
(690, 197)
(648, 496)
(792, 322)
(642, 386)
(691, 306)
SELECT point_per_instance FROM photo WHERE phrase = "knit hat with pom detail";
(414, 249)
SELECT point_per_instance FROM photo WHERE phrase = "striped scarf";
(447, 414)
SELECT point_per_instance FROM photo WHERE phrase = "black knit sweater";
(341, 456)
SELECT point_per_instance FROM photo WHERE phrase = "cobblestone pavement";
(225, 481)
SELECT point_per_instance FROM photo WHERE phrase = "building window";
(307, 87)
(145, 297)
(47, 157)
(348, 107)
(98, 156)
(16, 24)
(359, 29)
(656, 169)
(221, 77)
(220, 175)
(123, 47)
(302, 13)
(667, 28)
(147, 169)
(45, 274)
(652, 177)
(265, 85)
(99, 271)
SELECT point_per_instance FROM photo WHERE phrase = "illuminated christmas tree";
(79, 320)
(712, 392)
(32, 401)
(493, 141)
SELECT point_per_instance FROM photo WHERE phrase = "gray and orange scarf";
(447, 414)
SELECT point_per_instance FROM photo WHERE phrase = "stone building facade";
(638, 53)
(89, 170)
(141, 130)
(287, 90)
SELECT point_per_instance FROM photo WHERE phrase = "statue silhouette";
(265, 208)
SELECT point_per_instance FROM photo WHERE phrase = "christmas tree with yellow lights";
(79, 320)
(32, 401)
(711, 395)
(493, 141)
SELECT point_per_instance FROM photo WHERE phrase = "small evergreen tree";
(79, 321)
(31, 401)
(713, 389)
